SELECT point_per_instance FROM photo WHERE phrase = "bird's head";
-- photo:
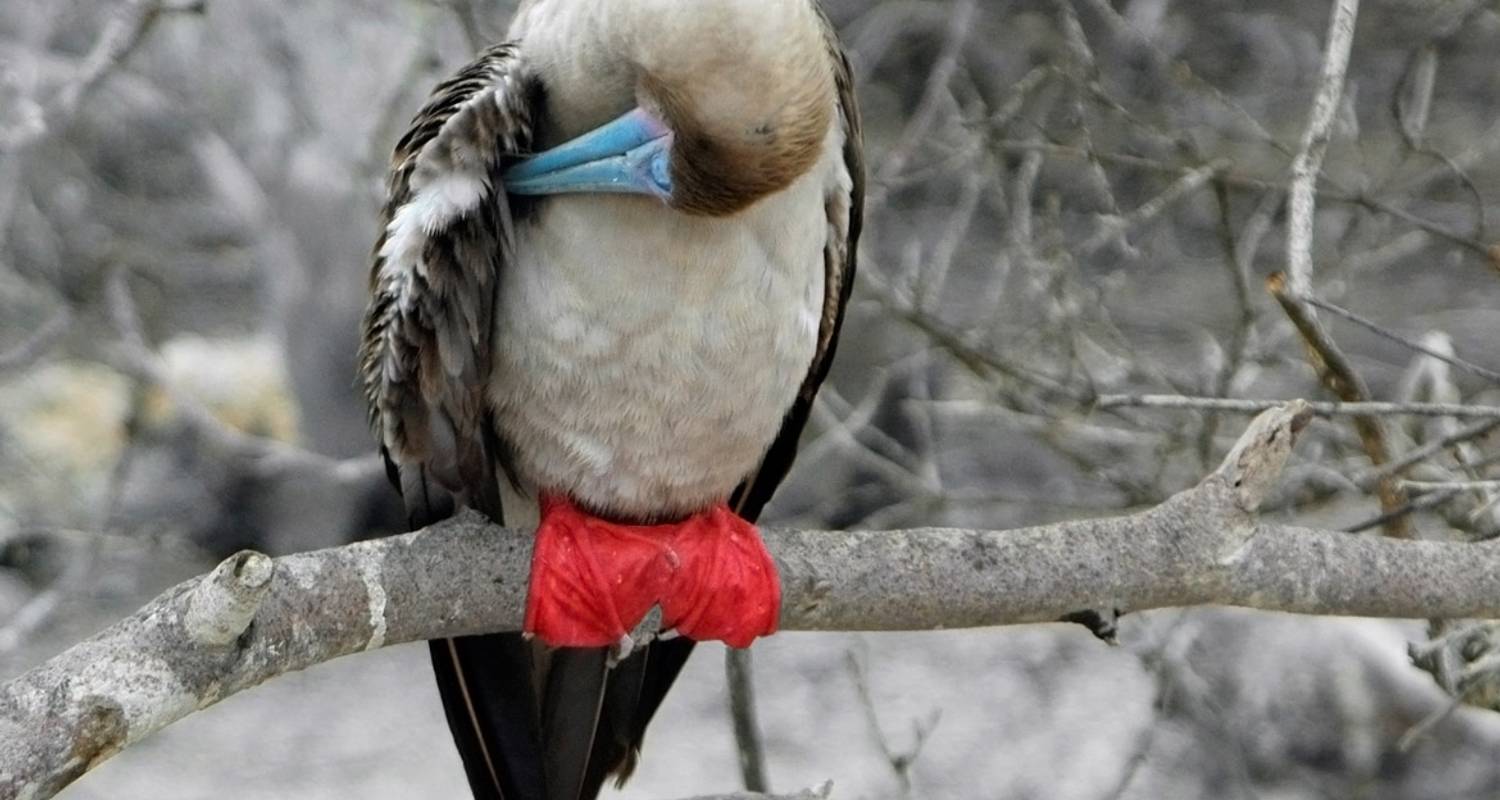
(724, 101)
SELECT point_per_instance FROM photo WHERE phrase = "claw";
(622, 649)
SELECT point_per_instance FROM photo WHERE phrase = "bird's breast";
(645, 359)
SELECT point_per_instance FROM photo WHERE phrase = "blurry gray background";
(1068, 199)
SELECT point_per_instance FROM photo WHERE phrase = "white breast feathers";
(645, 358)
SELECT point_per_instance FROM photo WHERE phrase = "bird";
(610, 277)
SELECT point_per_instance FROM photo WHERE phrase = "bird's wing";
(845, 206)
(617, 744)
(425, 355)
(424, 364)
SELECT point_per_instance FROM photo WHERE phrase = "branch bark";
(254, 618)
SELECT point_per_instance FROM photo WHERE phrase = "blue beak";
(631, 155)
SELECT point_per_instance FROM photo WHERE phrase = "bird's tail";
(533, 723)
(491, 704)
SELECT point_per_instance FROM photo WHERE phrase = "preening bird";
(612, 269)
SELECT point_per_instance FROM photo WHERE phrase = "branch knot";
(222, 606)
(1254, 464)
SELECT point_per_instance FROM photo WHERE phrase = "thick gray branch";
(255, 618)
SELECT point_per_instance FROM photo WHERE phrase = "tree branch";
(255, 618)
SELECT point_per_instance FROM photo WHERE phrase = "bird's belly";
(644, 360)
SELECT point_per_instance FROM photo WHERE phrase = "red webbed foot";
(592, 581)
(726, 587)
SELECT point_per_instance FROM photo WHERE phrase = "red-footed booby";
(615, 258)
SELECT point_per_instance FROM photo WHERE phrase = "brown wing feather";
(425, 353)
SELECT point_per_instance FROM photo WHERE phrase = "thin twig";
(935, 90)
(1376, 328)
(1326, 409)
(739, 674)
(1240, 180)
(1085, 71)
(1477, 430)
(1422, 503)
(1112, 227)
(1308, 163)
(1457, 486)
(133, 356)
(1291, 289)
(119, 38)
(1336, 372)
(900, 761)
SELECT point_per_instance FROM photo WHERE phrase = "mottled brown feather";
(425, 349)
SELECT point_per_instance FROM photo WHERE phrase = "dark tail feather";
(613, 744)
(635, 691)
(574, 694)
(490, 701)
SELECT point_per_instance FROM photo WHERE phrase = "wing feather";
(445, 231)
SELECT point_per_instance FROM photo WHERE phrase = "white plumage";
(646, 367)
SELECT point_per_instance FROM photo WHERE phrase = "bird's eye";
(661, 173)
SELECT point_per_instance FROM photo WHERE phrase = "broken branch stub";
(1254, 465)
(222, 606)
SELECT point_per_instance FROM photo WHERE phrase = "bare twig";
(1320, 408)
(1113, 227)
(823, 792)
(1240, 180)
(119, 38)
(1308, 163)
(740, 676)
(1405, 341)
(1457, 486)
(900, 761)
(1338, 375)
(1293, 288)
(1416, 455)
(935, 91)
(133, 356)
(1408, 508)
